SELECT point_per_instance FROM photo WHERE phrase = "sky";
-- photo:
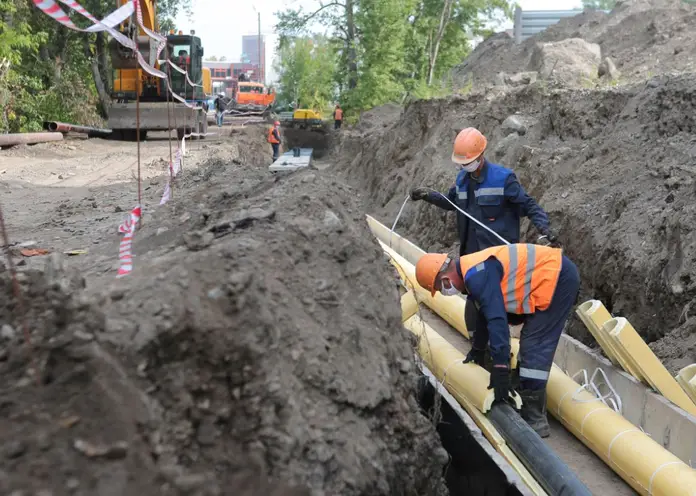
(221, 28)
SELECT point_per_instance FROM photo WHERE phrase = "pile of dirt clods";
(255, 348)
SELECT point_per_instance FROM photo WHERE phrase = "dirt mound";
(573, 59)
(254, 340)
(643, 38)
(613, 167)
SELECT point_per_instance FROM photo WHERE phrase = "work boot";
(534, 411)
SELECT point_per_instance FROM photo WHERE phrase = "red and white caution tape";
(125, 255)
(53, 10)
(184, 72)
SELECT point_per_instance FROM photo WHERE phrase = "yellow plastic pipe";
(409, 306)
(594, 315)
(450, 308)
(687, 380)
(634, 456)
(597, 309)
(642, 358)
(445, 361)
(401, 245)
(643, 463)
(467, 384)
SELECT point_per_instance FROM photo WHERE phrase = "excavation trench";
(630, 229)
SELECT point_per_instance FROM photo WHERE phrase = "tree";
(339, 16)
(599, 4)
(386, 49)
(223, 59)
(67, 79)
(212, 58)
(306, 72)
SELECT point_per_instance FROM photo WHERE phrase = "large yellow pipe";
(594, 315)
(450, 308)
(633, 455)
(687, 380)
(641, 357)
(643, 463)
(467, 383)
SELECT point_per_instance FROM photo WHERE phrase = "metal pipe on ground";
(28, 138)
(545, 465)
(63, 127)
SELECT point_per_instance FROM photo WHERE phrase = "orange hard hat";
(468, 146)
(427, 269)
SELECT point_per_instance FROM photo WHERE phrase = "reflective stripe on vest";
(530, 274)
(463, 194)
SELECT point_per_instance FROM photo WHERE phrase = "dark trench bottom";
(470, 472)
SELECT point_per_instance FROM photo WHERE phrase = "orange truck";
(253, 96)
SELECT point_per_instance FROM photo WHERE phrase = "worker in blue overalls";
(491, 194)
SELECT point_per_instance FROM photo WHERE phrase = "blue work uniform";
(496, 199)
(541, 330)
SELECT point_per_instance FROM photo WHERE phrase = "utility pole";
(261, 78)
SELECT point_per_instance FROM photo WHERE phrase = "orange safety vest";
(530, 274)
(339, 114)
(271, 136)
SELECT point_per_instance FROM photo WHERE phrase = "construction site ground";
(258, 342)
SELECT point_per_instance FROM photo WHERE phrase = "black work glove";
(419, 193)
(476, 356)
(552, 238)
(500, 383)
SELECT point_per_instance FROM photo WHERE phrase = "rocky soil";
(254, 350)
(644, 38)
(612, 164)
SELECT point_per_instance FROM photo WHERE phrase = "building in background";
(251, 54)
(225, 75)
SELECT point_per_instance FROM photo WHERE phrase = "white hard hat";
(221, 94)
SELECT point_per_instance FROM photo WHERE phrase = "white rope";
(408, 197)
(611, 444)
(667, 464)
(470, 217)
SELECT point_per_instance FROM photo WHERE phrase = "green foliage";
(599, 4)
(392, 50)
(54, 71)
(306, 67)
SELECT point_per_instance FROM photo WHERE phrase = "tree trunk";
(104, 99)
(435, 47)
(102, 57)
(350, 45)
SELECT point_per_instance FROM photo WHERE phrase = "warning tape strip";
(125, 252)
(107, 24)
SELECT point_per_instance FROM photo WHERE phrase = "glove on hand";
(419, 194)
(476, 356)
(552, 238)
(500, 383)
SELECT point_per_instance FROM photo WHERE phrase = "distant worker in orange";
(535, 281)
(338, 117)
(274, 139)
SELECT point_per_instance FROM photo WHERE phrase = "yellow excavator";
(131, 83)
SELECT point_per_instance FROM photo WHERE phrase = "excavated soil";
(643, 38)
(613, 166)
(253, 349)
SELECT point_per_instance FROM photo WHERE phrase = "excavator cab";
(186, 52)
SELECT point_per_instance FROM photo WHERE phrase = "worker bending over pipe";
(537, 282)
(491, 194)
